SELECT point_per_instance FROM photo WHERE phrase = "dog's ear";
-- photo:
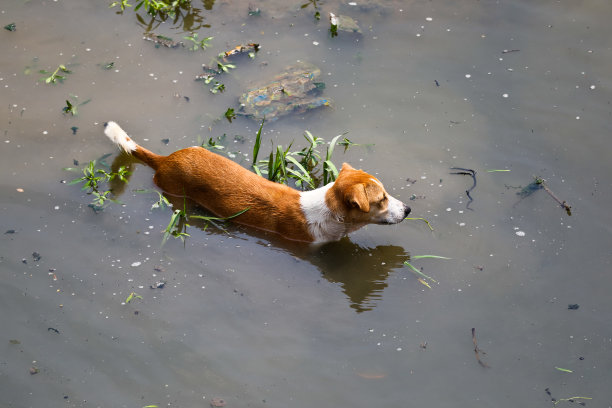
(356, 197)
(346, 166)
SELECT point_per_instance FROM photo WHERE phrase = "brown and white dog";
(225, 188)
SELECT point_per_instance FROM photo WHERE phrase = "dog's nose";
(105, 124)
(406, 210)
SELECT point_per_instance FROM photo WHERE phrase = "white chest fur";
(323, 224)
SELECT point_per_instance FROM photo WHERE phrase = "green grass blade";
(257, 142)
(418, 272)
(304, 176)
(161, 203)
(428, 256)
(132, 296)
(102, 160)
(271, 167)
(256, 169)
(76, 181)
(213, 218)
(297, 164)
(237, 214)
(421, 219)
(280, 158)
(308, 136)
(174, 220)
(330, 148)
(330, 172)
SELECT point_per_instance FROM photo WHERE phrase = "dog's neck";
(323, 224)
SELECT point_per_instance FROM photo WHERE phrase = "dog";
(225, 188)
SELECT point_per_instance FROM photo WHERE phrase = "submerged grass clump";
(93, 178)
(306, 167)
(177, 227)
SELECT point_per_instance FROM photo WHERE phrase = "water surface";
(256, 321)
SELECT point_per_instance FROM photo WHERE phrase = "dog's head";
(360, 198)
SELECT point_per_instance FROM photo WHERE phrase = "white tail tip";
(119, 137)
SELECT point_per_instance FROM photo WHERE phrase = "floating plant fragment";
(132, 296)
(160, 40)
(56, 75)
(343, 23)
(250, 48)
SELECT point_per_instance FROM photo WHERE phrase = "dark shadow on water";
(360, 271)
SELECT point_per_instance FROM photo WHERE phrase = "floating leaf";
(132, 296)
(565, 370)
(229, 114)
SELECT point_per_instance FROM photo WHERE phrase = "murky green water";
(256, 321)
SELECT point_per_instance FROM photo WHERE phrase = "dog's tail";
(119, 137)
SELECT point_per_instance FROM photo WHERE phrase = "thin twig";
(570, 399)
(563, 203)
(477, 351)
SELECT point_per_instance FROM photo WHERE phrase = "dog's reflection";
(360, 271)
